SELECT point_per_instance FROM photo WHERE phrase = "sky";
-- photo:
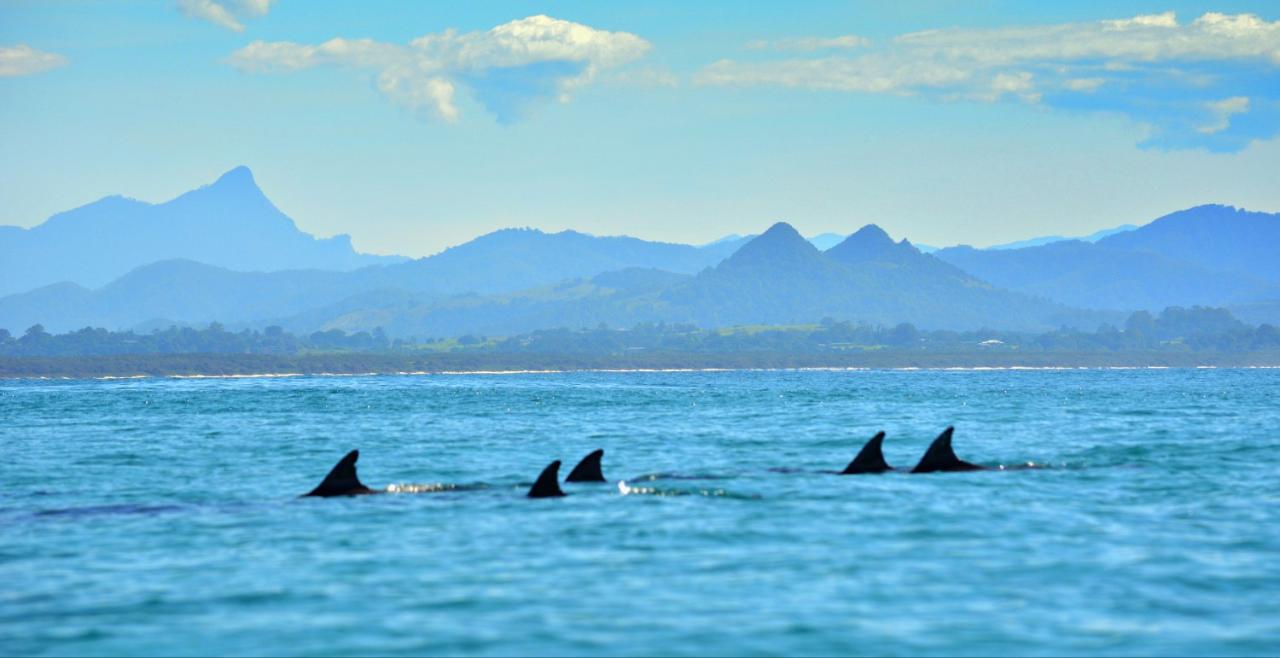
(415, 126)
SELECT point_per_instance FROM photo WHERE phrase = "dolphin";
(342, 480)
(941, 458)
(547, 485)
(588, 470)
(870, 459)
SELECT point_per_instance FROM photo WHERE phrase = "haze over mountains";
(225, 253)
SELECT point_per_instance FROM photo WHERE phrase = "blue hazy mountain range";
(1208, 255)
(517, 259)
(522, 279)
(229, 223)
(1048, 239)
(823, 241)
(777, 277)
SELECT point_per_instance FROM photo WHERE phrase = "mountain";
(184, 291)
(1049, 239)
(1214, 237)
(175, 291)
(1098, 276)
(1208, 255)
(867, 277)
(516, 280)
(823, 241)
(777, 277)
(229, 223)
(518, 259)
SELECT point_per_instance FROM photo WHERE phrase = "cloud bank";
(25, 60)
(1211, 83)
(506, 69)
(225, 13)
(810, 44)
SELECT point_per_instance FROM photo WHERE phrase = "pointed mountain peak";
(780, 236)
(871, 243)
(238, 178)
(781, 231)
(782, 243)
(871, 234)
(236, 187)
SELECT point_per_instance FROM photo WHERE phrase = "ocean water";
(161, 517)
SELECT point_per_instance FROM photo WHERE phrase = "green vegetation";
(1175, 337)
(214, 339)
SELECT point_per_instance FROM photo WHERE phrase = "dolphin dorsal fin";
(870, 459)
(941, 457)
(588, 470)
(548, 485)
(342, 479)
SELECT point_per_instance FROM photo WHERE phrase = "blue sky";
(414, 126)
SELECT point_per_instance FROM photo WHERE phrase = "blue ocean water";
(161, 517)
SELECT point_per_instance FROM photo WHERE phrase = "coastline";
(234, 366)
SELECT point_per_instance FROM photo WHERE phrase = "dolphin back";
(588, 470)
(342, 479)
(547, 485)
(870, 459)
(940, 457)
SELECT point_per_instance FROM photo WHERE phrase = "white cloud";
(1161, 72)
(975, 57)
(1167, 19)
(256, 7)
(1222, 111)
(810, 44)
(504, 67)
(225, 13)
(25, 60)
(1149, 38)
(1085, 85)
(869, 73)
(648, 76)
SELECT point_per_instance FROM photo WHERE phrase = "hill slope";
(1112, 275)
(518, 259)
(1214, 237)
(176, 290)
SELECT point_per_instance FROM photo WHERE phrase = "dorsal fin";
(940, 457)
(870, 459)
(588, 470)
(342, 480)
(548, 485)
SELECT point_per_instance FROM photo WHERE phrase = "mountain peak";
(782, 243)
(781, 231)
(870, 235)
(237, 178)
(871, 243)
(234, 192)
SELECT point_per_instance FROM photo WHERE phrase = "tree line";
(1176, 329)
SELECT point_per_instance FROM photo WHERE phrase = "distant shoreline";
(480, 363)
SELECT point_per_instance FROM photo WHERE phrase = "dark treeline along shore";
(1176, 337)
